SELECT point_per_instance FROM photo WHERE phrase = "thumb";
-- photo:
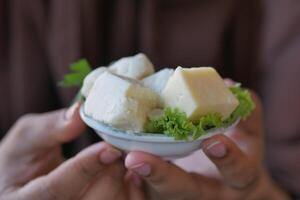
(55, 127)
(36, 132)
(165, 180)
(238, 169)
(71, 179)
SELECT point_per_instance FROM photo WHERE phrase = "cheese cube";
(135, 67)
(158, 80)
(89, 80)
(199, 91)
(120, 102)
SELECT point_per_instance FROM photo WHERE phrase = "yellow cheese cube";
(199, 91)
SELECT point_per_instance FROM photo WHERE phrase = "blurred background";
(255, 42)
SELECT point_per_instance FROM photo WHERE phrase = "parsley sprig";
(79, 70)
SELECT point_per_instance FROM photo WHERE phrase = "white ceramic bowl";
(156, 144)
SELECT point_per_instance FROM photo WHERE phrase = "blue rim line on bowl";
(143, 137)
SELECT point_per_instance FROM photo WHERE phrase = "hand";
(238, 173)
(32, 166)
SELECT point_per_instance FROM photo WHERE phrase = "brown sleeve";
(280, 69)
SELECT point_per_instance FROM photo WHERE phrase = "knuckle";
(49, 189)
(203, 187)
(159, 177)
(112, 180)
(26, 120)
(24, 124)
(246, 180)
(51, 193)
(251, 178)
(116, 172)
(83, 170)
(257, 101)
(33, 123)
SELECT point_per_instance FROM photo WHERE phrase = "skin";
(36, 170)
(230, 165)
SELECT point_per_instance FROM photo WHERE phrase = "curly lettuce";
(174, 123)
(207, 122)
(245, 107)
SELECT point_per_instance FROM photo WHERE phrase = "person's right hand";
(237, 173)
(32, 167)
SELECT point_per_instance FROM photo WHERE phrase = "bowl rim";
(144, 137)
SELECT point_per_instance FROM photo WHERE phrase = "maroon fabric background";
(255, 42)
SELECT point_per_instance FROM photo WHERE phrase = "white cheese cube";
(120, 102)
(199, 91)
(135, 67)
(89, 80)
(158, 80)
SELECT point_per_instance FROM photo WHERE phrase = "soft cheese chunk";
(89, 80)
(158, 81)
(198, 91)
(136, 67)
(120, 102)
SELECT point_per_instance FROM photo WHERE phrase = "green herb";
(245, 107)
(172, 123)
(208, 122)
(79, 70)
(175, 123)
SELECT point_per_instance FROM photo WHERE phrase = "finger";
(134, 178)
(238, 170)
(113, 185)
(109, 184)
(73, 177)
(249, 133)
(229, 82)
(58, 126)
(135, 193)
(253, 125)
(41, 131)
(165, 180)
(134, 186)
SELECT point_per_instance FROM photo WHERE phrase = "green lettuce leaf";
(79, 70)
(172, 123)
(245, 107)
(206, 123)
(175, 123)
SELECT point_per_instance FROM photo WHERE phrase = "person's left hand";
(240, 173)
(32, 166)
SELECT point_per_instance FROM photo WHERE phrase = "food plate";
(156, 144)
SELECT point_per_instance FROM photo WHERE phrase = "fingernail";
(142, 169)
(109, 156)
(229, 82)
(70, 112)
(215, 149)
